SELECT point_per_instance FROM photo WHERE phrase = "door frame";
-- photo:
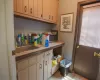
(78, 24)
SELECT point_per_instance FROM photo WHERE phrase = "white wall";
(7, 61)
(10, 37)
(4, 65)
(68, 6)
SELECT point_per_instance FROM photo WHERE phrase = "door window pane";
(90, 31)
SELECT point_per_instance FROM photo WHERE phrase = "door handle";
(78, 47)
(96, 54)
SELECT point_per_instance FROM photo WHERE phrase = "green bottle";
(22, 39)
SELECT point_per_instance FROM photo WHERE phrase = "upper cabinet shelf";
(43, 10)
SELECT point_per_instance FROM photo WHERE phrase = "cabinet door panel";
(25, 6)
(32, 72)
(54, 9)
(40, 71)
(19, 6)
(40, 8)
(46, 66)
(50, 64)
(23, 75)
(22, 64)
(35, 8)
(46, 9)
(31, 5)
(14, 5)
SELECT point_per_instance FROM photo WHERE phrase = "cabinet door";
(40, 8)
(25, 6)
(50, 55)
(46, 66)
(40, 71)
(35, 8)
(33, 72)
(54, 9)
(19, 6)
(14, 5)
(23, 74)
(31, 9)
(46, 10)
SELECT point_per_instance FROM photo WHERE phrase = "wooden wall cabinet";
(35, 6)
(54, 10)
(19, 6)
(14, 5)
(40, 9)
(25, 6)
(44, 10)
(31, 8)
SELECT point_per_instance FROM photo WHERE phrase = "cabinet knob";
(41, 15)
(31, 10)
(25, 8)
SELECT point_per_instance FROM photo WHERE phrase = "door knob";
(96, 54)
(78, 46)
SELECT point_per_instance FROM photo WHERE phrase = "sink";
(25, 48)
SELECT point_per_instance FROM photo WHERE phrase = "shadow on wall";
(22, 25)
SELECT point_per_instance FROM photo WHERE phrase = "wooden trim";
(91, 5)
(72, 23)
(78, 24)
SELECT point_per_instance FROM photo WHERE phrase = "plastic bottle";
(22, 39)
(29, 38)
(35, 40)
(26, 39)
(47, 41)
(19, 39)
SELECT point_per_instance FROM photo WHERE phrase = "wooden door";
(40, 71)
(88, 42)
(46, 66)
(20, 6)
(35, 14)
(46, 10)
(33, 72)
(25, 6)
(23, 74)
(40, 8)
(15, 5)
(31, 8)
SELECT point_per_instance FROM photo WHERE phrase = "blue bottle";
(46, 43)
